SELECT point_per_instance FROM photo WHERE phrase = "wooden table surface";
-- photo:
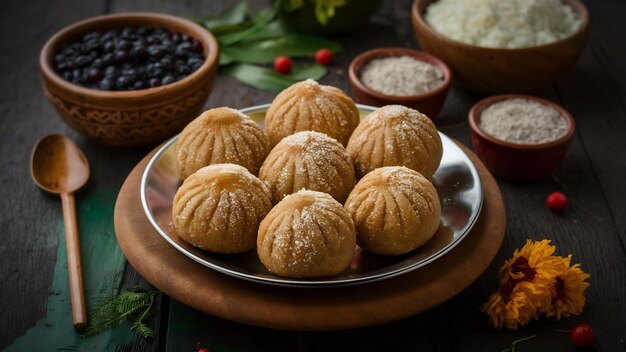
(592, 175)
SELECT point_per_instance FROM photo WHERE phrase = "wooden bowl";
(518, 162)
(130, 118)
(428, 103)
(489, 70)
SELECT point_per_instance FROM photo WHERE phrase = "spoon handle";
(74, 264)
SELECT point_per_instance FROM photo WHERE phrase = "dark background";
(592, 175)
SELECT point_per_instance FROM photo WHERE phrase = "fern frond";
(135, 305)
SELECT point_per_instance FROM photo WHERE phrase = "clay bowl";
(429, 103)
(130, 118)
(518, 162)
(489, 71)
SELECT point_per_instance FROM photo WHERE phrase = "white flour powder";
(401, 76)
(523, 121)
(503, 23)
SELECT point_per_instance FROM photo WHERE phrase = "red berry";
(356, 258)
(324, 57)
(282, 65)
(582, 335)
(556, 201)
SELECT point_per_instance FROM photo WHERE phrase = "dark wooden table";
(592, 175)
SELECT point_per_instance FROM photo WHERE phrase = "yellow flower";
(515, 304)
(569, 296)
(527, 285)
(535, 281)
(532, 259)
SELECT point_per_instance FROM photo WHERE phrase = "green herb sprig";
(134, 306)
(250, 43)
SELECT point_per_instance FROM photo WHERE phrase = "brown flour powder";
(401, 76)
(523, 121)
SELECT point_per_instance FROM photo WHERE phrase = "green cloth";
(103, 265)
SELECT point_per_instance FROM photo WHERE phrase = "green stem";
(146, 312)
(521, 340)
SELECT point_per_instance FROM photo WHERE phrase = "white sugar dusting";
(318, 158)
(300, 241)
(247, 197)
(310, 83)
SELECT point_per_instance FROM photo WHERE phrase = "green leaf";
(113, 310)
(274, 29)
(142, 329)
(225, 59)
(265, 51)
(228, 20)
(259, 22)
(267, 79)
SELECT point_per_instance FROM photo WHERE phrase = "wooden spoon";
(58, 166)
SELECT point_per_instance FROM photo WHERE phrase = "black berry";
(94, 75)
(129, 58)
(167, 80)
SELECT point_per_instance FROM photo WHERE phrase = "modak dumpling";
(219, 208)
(218, 136)
(307, 235)
(395, 135)
(309, 160)
(394, 209)
(310, 106)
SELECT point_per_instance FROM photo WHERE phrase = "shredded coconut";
(503, 24)
(401, 76)
(523, 121)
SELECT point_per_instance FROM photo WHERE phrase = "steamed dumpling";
(307, 235)
(394, 209)
(310, 106)
(395, 135)
(218, 136)
(219, 208)
(309, 160)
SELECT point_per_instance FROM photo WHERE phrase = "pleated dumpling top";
(395, 135)
(394, 209)
(218, 136)
(219, 208)
(310, 106)
(307, 235)
(308, 160)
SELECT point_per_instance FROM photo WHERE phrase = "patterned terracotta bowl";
(130, 118)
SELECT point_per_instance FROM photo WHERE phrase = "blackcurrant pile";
(129, 58)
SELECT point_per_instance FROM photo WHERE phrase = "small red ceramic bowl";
(518, 162)
(428, 103)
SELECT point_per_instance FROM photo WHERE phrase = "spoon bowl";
(58, 166)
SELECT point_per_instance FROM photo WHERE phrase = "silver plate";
(457, 181)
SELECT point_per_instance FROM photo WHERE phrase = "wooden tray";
(314, 308)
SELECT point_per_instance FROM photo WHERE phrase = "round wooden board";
(306, 308)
